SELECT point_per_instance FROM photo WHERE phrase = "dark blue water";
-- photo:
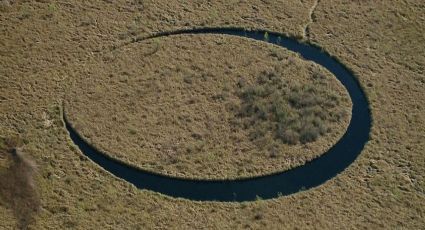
(312, 174)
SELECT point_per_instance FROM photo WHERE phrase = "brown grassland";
(47, 47)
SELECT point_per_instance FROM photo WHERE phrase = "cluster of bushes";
(295, 114)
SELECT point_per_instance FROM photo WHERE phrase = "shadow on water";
(304, 177)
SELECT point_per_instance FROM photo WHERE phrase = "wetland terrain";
(217, 117)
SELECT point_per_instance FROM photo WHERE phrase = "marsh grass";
(17, 187)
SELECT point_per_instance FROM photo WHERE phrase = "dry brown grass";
(17, 186)
(381, 41)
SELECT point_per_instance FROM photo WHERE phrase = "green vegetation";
(52, 7)
(51, 11)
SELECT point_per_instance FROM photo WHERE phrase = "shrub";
(309, 133)
(288, 136)
(297, 114)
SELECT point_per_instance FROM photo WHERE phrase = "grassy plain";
(44, 46)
